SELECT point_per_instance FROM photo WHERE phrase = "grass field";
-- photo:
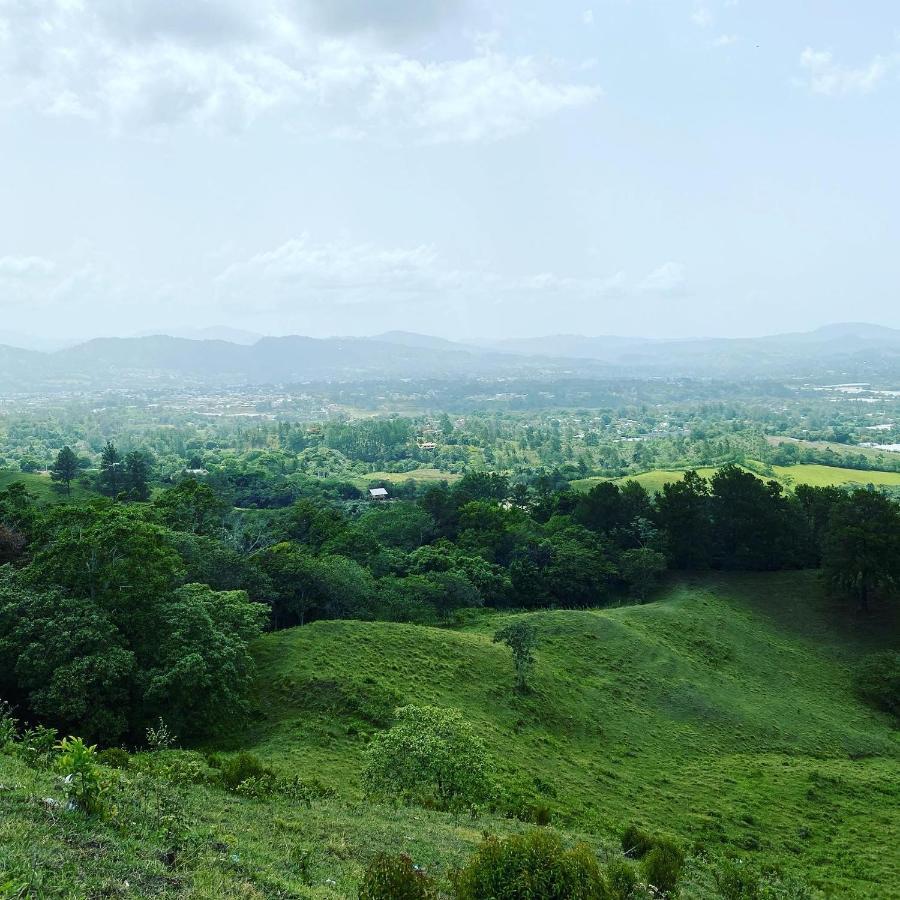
(819, 476)
(653, 480)
(664, 714)
(423, 475)
(42, 486)
(722, 714)
(822, 476)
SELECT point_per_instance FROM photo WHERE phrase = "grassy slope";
(723, 714)
(42, 486)
(426, 475)
(720, 713)
(819, 476)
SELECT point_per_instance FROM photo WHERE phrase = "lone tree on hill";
(65, 468)
(521, 638)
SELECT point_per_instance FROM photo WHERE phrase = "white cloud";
(725, 40)
(303, 274)
(669, 279)
(148, 66)
(25, 267)
(823, 75)
(702, 17)
(306, 272)
(587, 17)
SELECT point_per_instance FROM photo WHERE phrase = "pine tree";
(110, 480)
(65, 468)
(137, 474)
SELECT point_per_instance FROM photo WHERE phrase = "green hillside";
(722, 714)
(818, 476)
(713, 713)
(42, 486)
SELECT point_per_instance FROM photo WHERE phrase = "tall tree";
(65, 468)
(137, 475)
(110, 480)
(862, 545)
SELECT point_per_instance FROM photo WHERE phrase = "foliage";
(65, 468)
(240, 768)
(862, 545)
(636, 842)
(663, 864)
(521, 638)
(81, 775)
(534, 864)
(395, 878)
(430, 756)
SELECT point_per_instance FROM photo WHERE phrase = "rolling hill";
(722, 714)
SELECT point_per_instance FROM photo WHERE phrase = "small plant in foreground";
(396, 878)
(81, 775)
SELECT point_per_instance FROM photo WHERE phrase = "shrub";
(535, 864)
(37, 746)
(878, 681)
(395, 878)
(622, 879)
(540, 814)
(114, 758)
(663, 865)
(238, 769)
(78, 763)
(431, 756)
(635, 842)
(8, 724)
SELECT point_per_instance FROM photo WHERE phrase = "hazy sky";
(459, 167)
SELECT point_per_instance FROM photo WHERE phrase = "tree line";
(117, 610)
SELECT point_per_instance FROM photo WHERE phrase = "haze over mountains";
(835, 352)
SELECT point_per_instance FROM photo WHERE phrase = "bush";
(36, 746)
(395, 878)
(432, 757)
(238, 769)
(114, 758)
(8, 724)
(878, 681)
(534, 864)
(81, 775)
(635, 842)
(622, 879)
(663, 865)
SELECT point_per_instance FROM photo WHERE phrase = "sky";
(466, 168)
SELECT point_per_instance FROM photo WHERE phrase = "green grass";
(816, 475)
(653, 480)
(426, 475)
(42, 486)
(722, 714)
(824, 476)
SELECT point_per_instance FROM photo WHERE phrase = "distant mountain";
(423, 341)
(573, 345)
(847, 352)
(210, 333)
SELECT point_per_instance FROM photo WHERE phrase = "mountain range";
(845, 352)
